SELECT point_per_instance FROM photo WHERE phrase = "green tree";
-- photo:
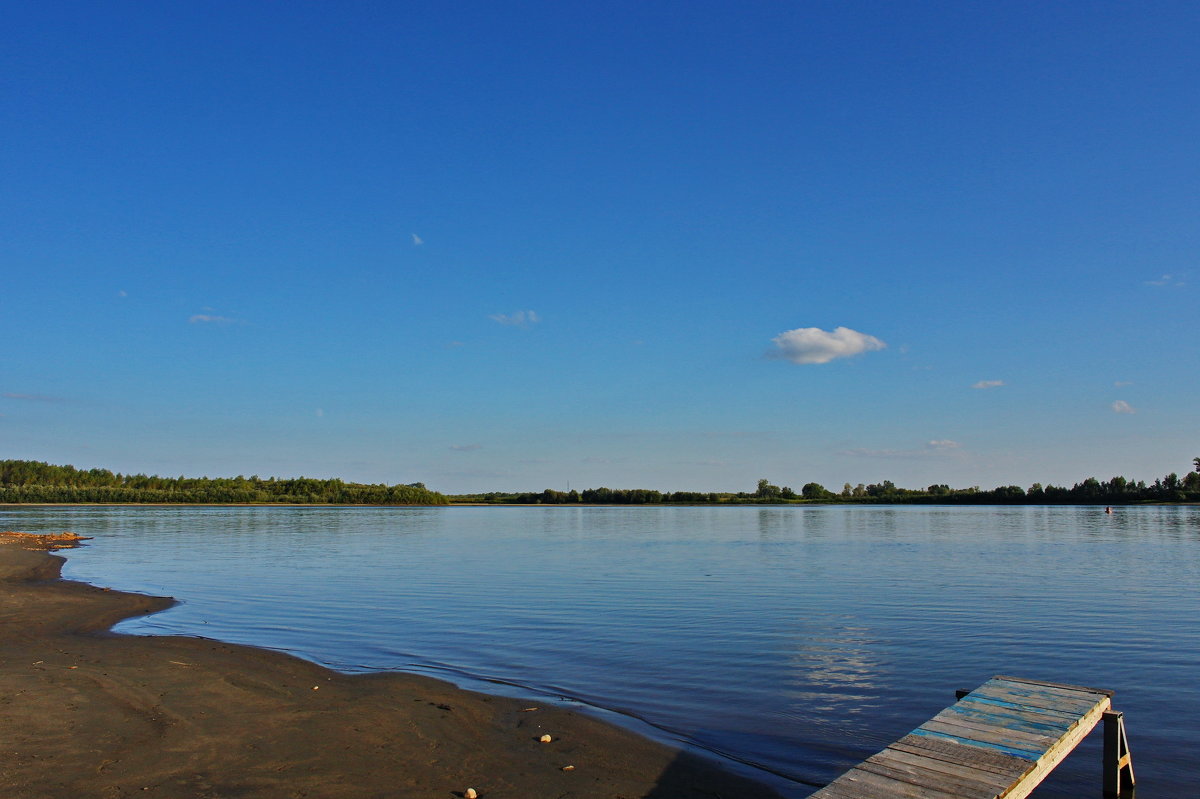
(768, 491)
(815, 491)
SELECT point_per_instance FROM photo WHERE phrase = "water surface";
(798, 640)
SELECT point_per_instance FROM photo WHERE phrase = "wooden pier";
(997, 742)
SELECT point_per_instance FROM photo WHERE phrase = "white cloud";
(932, 449)
(417, 240)
(863, 452)
(1166, 280)
(210, 319)
(320, 412)
(1122, 383)
(122, 293)
(988, 384)
(518, 319)
(1121, 406)
(814, 345)
(465, 447)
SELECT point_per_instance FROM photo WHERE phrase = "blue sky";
(511, 246)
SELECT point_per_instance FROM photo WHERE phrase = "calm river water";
(797, 640)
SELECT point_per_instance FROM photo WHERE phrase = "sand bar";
(88, 713)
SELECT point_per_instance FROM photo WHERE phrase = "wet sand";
(88, 713)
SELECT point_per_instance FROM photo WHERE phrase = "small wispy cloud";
(806, 345)
(1121, 406)
(210, 319)
(517, 319)
(988, 384)
(14, 395)
(122, 293)
(862, 452)
(937, 448)
(417, 240)
(1166, 280)
(465, 447)
(1122, 383)
(319, 412)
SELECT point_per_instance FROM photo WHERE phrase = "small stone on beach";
(470, 793)
(545, 739)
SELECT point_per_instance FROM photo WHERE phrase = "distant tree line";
(37, 482)
(592, 496)
(1117, 491)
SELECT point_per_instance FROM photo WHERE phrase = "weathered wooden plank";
(977, 757)
(1036, 704)
(1012, 720)
(859, 784)
(1101, 691)
(1027, 753)
(935, 763)
(1056, 753)
(1016, 707)
(989, 733)
(1037, 740)
(1051, 696)
(895, 766)
(843, 789)
(1047, 689)
(1077, 704)
(1056, 723)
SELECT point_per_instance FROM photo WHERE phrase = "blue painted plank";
(1078, 704)
(1024, 754)
(1047, 691)
(1066, 715)
(1011, 721)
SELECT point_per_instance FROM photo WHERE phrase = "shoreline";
(1142, 503)
(88, 712)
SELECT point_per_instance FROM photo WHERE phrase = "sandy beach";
(88, 713)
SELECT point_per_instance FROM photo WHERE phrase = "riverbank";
(88, 713)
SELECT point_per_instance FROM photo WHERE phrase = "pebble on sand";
(545, 739)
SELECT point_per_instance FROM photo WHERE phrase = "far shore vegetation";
(42, 483)
(34, 482)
